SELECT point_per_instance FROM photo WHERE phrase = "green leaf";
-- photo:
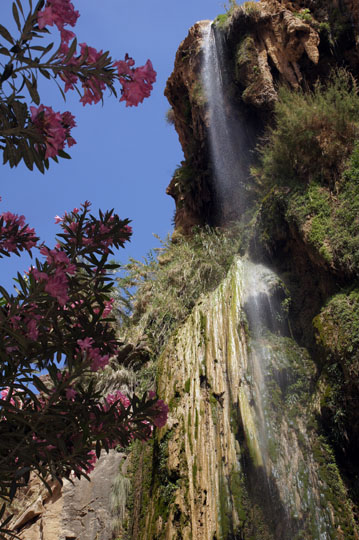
(45, 73)
(61, 91)
(39, 5)
(22, 472)
(63, 154)
(47, 49)
(40, 385)
(6, 295)
(7, 520)
(20, 7)
(28, 158)
(13, 489)
(72, 49)
(16, 16)
(32, 88)
(37, 159)
(6, 34)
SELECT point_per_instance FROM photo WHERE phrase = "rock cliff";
(75, 511)
(266, 449)
(267, 43)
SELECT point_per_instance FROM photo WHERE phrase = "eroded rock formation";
(76, 511)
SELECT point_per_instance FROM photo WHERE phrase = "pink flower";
(58, 219)
(70, 79)
(118, 396)
(14, 234)
(98, 361)
(54, 127)
(92, 55)
(91, 463)
(4, 393)
(32, 330)
(139, 86)
(85, 344)
(39, 276)
(58, 12)
(70, 394)
(108, 308)
(57, 286)
(161, 419)
(93, 88)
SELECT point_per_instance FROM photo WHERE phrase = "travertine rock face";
(78, 511)
(237, 459)
(278, 43)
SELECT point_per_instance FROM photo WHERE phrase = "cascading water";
(230, 140)
(275, 479)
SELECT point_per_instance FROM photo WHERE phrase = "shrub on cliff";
(314, 133)
(310, 161)
(168, 286)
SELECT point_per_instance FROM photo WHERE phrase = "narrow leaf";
(33, 91)
(63, 154)
(20, 7)
(72, 49)
(6, 34)
(45, 73)
(16, 16)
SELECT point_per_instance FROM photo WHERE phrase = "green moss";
(196, 425)
(174, 402)
(221, 20)
(194, 472)
(224, 508)
(337, 334)
(246, 52)
(189, 429)
(214, 408)
(251, 8)
(305, 15)
(333, 489)
(337, 328)
(199, 94)
(239, 494)
(187, 385)
(203, 323)
(328, 222)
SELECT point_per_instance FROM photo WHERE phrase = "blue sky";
(124, 157)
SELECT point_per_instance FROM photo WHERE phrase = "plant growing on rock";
(167, 287)
(314, 133)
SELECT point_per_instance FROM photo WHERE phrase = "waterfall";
(276, 478)
(230, 139)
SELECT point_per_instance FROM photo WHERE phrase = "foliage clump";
(169, 284)
(222, 20)
(338, 327)
(311, 163)
(314, 133)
